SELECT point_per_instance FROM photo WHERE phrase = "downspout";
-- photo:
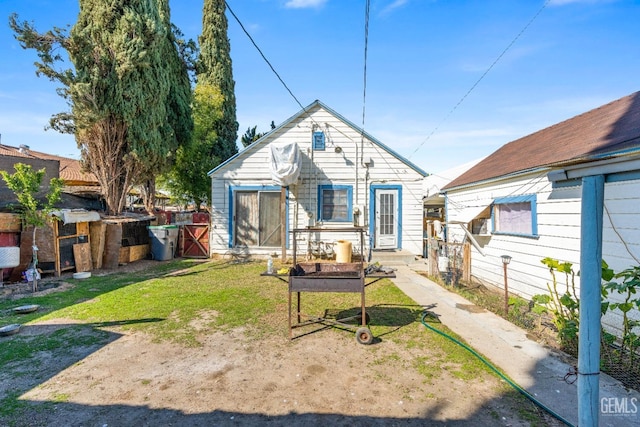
(590, 284)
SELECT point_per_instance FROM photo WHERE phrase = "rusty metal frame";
(329, 277)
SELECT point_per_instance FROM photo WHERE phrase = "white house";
(328, 173)
(525, 199)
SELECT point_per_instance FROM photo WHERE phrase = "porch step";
(394, 257)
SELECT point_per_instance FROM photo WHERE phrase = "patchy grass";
(177, 300)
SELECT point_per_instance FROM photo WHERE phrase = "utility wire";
(481, 77)
(264, 57)
(366, 44)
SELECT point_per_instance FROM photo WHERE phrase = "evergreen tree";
(251, 136)
(214, 68)
(189, 176)
(179, 124)
(127, 102)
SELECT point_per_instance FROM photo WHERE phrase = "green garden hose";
(522, 391)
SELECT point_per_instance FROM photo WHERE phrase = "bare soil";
(321, 379)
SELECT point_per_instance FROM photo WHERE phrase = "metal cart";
(332, 277)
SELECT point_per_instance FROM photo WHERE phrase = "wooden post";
(283, 222)
(433, 257)
(590, 290)
(466, 263)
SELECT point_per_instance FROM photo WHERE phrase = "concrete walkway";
(535, 368)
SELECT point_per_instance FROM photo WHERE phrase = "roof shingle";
(70, 169)
(602, 132)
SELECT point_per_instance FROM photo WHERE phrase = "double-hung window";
(516, 215)
(335, 203)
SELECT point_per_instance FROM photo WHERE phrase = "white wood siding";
(327, 167)
(621, 238)
(558, 218)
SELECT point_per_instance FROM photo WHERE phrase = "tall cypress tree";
(129, 109)
(214, 69)
(116, 49)
(179, 122)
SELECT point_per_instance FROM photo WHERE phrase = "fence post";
(433, 257)
(466, 262)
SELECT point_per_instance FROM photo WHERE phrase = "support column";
(590, 283)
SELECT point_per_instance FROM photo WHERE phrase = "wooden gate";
(195, 241)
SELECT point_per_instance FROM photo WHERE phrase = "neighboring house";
(345, 178)
(81, 189)
(432, 190)
(526, 198)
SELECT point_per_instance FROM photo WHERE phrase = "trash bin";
(343, 251)
(164, 241)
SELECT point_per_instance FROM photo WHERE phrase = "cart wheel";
(364, 336)
(367, 318)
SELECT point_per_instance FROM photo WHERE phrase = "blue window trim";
(318, 141)
(233, 189)
(372, 208)
(527, 198)
(349, 189)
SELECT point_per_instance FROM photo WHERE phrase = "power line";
(366, 44)
(482, 77)
(264, 57)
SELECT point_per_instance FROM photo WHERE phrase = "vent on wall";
(318, 141)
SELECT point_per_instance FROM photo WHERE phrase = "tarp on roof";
(285, 163)
(73, 216)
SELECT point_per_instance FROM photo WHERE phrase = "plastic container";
(164, 241)
(343, 251)
(9, 256)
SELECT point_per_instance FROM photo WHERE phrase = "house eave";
(493, 180)
(624, 162)
(304, 111)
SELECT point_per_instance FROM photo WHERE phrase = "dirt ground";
(321, 379)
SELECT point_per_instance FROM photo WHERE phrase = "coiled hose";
(522, 391)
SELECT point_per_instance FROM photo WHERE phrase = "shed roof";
(607, 131)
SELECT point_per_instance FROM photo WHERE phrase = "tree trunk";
(34, 262)
(105, 155)
(149, 195)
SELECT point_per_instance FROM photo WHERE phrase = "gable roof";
(70, 169)
(303, 112)
(607, 131)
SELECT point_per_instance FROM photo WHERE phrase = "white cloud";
(394, 5)
(303, 4)
(563, 2)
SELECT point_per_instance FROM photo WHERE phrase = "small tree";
(25, 184)
(251, 136)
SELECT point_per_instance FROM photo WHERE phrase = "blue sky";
(424, 57)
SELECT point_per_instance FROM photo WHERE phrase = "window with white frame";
(515, 215)
(335, 203)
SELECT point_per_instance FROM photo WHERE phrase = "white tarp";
(72, 216)
(285, 163)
